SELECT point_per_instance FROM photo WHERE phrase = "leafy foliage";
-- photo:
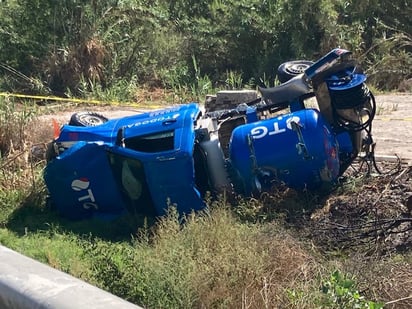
(341, 292)
(68, 44)
(228, 257)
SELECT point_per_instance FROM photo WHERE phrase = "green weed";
(206, 262)
(340, 292)
(229, 256)
(234, 80)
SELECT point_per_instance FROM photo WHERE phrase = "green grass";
(245, 255)
(214, 259)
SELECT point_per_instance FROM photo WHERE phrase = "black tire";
(290, 69)
(87, 119)
(50, 152)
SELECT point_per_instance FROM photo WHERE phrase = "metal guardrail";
(26, 283)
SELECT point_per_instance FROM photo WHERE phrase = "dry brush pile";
(371, 225)
(366, 221)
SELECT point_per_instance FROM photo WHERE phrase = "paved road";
(392, 127)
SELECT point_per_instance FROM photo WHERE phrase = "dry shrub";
(13, 123)
(393, 283)
(225, 260)
(367, 215)
(153, 95)
(370, 222)
(387, 279)
(15, 144)
(239, 265)
(22, 144)
(390, 62)
(292, 272)
(405, 86)
(67, 68)
(373, 216)
(211, 261)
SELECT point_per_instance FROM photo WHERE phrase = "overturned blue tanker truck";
(174, 156)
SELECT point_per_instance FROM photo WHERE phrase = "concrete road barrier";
(26, 283)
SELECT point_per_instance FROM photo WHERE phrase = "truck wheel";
(50, 152)
(87, 119)
(290, 69)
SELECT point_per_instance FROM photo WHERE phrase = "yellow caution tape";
(75, 100)
(130, 104)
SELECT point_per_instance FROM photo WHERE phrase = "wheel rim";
(91, 120)
(297, 68)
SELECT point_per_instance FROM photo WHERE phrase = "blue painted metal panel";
(81, 183)
(297, 148)
(85, 180)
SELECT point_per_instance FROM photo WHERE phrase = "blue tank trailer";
(174, 156)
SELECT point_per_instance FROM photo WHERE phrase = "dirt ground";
(392, 127)
(369, 218)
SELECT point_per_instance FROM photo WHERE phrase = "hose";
(357, 97)
(363, 101)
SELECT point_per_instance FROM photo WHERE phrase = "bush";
(14, 119)
(73, 43)
(340, 292)
(209, 261)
